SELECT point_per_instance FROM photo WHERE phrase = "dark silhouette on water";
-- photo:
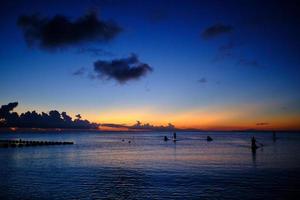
(274, 136)
(25, 143)
(209, 139)
(166, 138)
(253, 145)
(174, 137)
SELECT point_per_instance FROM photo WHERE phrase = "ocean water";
(107, 166)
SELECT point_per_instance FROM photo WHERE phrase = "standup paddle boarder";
(174, 136)
(253, 144)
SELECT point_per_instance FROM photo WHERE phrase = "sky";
(210, 65)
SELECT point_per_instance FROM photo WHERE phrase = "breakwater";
(27, 143)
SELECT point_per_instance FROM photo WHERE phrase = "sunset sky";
(213, 65)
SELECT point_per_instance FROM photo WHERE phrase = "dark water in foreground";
(102, 166)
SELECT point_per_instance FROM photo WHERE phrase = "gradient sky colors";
(214, 64)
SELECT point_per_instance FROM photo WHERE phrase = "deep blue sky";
(240, 77)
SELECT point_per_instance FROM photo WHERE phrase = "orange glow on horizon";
(217, 118)
(224, 117)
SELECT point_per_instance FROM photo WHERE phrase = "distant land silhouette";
(53, 119)
(61, 120)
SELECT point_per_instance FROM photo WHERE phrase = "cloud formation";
(247, 62)
(202, 80)
(122, 70)
(262, 124)
(79, 72)
(148, 126)
(142, 127)
(53, 119)
(60, 31)
(216, 30)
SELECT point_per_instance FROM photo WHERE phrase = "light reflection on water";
(102, 166)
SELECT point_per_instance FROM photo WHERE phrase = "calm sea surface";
(102, 166)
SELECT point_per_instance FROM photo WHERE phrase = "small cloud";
(60, 31)
(246, 62)
(216, 30)
(202, 80)
(122, 70)
(262, 124)
(78, 116)
(224, 51)
(92, 76)
(94, 51)
(79, 72)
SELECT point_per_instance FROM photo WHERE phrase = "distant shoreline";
(40, 130)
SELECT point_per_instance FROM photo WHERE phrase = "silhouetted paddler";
(166, 138)
(209, 139)
(253, 144)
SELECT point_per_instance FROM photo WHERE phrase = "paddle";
(260, 144)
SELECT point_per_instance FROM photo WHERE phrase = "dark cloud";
(7, 115)
(5, 109)
(122, 70)
(60, 31)
(202, 80)
(262, 124)
(78, 116)
(53, 119)
(216, 30)
(79, 72)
